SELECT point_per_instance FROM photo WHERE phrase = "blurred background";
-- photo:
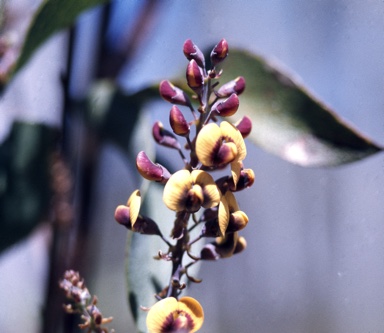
(315, 255)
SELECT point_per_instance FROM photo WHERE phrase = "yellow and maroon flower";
(188, 191)
(218, 146)
(170, 315)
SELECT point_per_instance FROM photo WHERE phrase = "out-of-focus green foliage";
(52, 16)
(24, 180)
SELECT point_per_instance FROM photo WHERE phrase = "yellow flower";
(218, 146)
(172, 316)
(188, 191)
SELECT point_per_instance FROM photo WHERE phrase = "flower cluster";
(83, 303)
(193, 193)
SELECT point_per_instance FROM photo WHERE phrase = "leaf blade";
(289, 121)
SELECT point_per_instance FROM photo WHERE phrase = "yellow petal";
(210, 190)
(134, 203)
(207, 142)
(227, 245)
(176, 189)
(159, 312)
(231, 201)
(236, 170)
(231, 133)
(194, 309)
(223, 215)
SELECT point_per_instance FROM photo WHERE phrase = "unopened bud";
(173, 94)
(228, 107)
(191, 51)
(194, 74)
(244, 125)
(236, 86)
(178, 123)
(164, 137)
(246, 179)
(241, 245)
(237, 221)
(122, 216)
(151, 171)
(221, 248)
(219, 52)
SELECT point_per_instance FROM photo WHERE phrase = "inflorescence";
(196, 197)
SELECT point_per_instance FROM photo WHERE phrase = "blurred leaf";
(24, 180)
(288, 121)
(120, 117)
(52, 16)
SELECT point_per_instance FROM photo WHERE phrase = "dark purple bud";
(236, 86)
(191, 51)
(164, 137)
(228, 107)
(219, 52)
(122, 216)
(178, 123)
(194, 74)
(208, 252)
(151, 171)
(244, 125)
(173, 94)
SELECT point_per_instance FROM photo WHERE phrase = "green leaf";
(24, 180)
(288, 121)
(52, 16)
(119, 117)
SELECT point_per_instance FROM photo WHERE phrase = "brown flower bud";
(228, 107)
(241, 245)
(194, 74)
(178, 123)
(236, 86)
(151, 171)
(246, 179)
(221, 248)
(173, 94)
(244, 125)
(143, 224)
(191, 51)
(237, 221)
(219, 52)
(164, 137)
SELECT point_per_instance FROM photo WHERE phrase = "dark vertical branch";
(61, 213)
